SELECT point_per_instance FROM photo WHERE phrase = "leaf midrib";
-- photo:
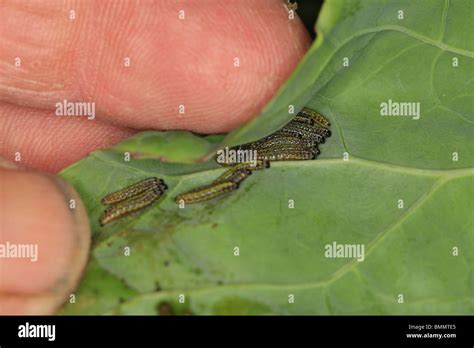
(328, 161)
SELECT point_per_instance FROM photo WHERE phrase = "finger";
(44, 243)
(32, 138)
(216, 62)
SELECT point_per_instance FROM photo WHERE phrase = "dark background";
(308, 11)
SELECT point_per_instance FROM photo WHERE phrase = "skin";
(173, 62)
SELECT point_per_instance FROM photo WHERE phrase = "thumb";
(44, 241)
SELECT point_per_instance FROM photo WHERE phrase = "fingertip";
(44, 241)
(240, 60)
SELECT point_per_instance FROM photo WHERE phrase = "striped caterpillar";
(131, 199)
(226, 183)
(297, 141)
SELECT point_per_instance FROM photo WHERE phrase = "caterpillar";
(127, 207)
(296, 141)
(315, 116)
(227, 182)
(258, 165)
(131, 199)
(207, 192)
(282, 140)
(302, 131)
(306, 130)
(288, 154)
(234, 175)
(133, 190)
(241, 171)
(302, 119)
(136, 200)
(317, 129)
